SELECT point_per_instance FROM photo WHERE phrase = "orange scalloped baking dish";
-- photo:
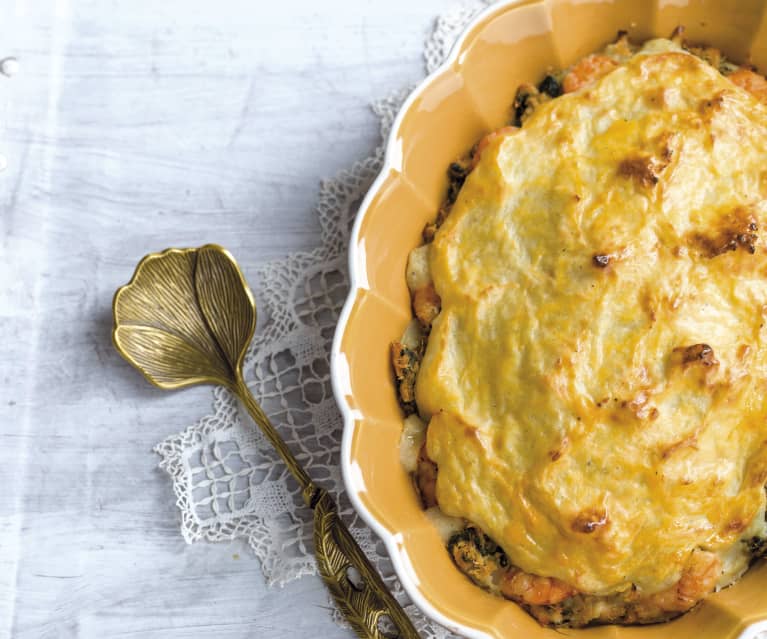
(509, 43)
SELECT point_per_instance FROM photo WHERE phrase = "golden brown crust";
(701, 354)
(589, 521)
(736, 230)
(550, 600)
(645, 170)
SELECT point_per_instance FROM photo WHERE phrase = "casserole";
(516, 41)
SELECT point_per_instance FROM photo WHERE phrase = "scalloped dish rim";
(339, 365)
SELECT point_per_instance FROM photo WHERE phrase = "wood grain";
(131, 127)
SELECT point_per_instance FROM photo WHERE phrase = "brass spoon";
(187, 317)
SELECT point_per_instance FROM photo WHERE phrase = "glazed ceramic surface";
(510, 43)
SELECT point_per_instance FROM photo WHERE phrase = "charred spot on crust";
(602, 260)
(737, 231)
(588, 521)
(644, 170)
(405, 362)
(696, 354)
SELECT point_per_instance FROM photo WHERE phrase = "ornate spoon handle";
(364, 602)
(187, 317)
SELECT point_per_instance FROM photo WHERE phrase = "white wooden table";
(132, 126)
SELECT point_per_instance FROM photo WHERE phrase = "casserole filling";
(585, 376)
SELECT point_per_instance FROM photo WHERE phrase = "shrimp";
(697, 580)
(426, 478)
(533, 589)
(752, 82)
(485, 141)
(587, 71)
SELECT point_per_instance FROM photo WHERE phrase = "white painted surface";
(127, 128)
(130, 127)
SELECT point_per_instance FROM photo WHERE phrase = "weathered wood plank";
(131, 127)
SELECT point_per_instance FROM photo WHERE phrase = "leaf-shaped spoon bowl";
(187, 317)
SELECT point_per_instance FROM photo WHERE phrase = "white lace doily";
(228, 481)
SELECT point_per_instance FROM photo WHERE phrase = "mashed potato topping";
(596, 380)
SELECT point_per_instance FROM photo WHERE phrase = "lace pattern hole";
(354, 578)
(386, 627)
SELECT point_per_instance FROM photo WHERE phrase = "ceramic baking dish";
(509, 43)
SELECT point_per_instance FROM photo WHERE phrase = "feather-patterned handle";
(365, 603)
(187, 317)
(364, 599)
